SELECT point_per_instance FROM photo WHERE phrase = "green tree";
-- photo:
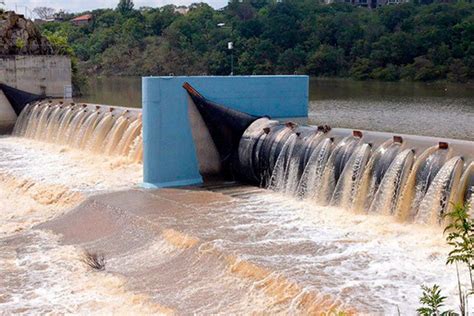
(125, 6)
(361, 69)
(327, 60)
(432, 302)
(407, 42)
(61, 46)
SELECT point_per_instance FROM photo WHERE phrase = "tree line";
(411, 41)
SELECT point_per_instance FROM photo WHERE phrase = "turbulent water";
(38, 182)
(100, 130)
(408, 182)
(347, 227)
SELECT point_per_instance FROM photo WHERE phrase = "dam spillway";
(412, 182)
(228, 248)
(412, 178)
(98, 129)
(417, 181)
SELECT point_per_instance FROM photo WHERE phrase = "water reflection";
(119, 91)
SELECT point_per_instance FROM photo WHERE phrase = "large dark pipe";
(226, 126)
(19, 98)
(282, 155)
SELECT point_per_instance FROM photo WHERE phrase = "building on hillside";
(82, 20)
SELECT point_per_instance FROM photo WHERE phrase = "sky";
(81, 5)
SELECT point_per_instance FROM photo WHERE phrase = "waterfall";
(280, 174)
(136, 150)
(348, 184)
(116, 134)
(53, 125)
(466, 192)
(298, 160)
(374, 172)
(100, 132)
(97, 129)
(271, 146)
(334, 167)
(391, 179)
(425, 169)
(441, 194)
(131, 133)
(388, 193)
(20, 122)
(310, 181)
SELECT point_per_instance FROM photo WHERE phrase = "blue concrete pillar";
(169, 157)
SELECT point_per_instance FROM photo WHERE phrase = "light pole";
(230, 46)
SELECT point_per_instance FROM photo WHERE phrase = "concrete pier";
(170, 157)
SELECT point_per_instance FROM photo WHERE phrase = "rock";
(19, 35)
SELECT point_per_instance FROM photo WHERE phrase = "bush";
(432, 301)
(327, 60)
(361, 69)
(389, 73)
(423, 69)
(458, 71)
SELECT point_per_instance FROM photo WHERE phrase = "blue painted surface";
(169, 157)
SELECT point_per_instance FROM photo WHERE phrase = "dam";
(94, 128)
(290, 218)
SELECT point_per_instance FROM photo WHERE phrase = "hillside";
(403, 42)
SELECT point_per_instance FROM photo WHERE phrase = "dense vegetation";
(412, 41)
(460, 236)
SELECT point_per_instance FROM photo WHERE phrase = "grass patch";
(95, 261)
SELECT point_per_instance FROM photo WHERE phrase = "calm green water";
(432, 109)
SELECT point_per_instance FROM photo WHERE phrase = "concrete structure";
(43, 75)
(7, 115)
(170, 157)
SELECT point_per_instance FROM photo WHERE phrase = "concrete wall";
(7, 115)
(36, 74)
(169, 151)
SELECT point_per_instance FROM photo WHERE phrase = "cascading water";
(374, 172)
(308, 163)
(280, 174)
(466, 192)
(299, 158)
(424, 171)
(334, 168)
(347, 186)
(443, 189)
(313, 172)
(388, 194)
(96, 129)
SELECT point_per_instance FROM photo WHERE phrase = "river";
(219, 250)
(430, 109)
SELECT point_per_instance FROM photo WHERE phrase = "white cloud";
(81, 5)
